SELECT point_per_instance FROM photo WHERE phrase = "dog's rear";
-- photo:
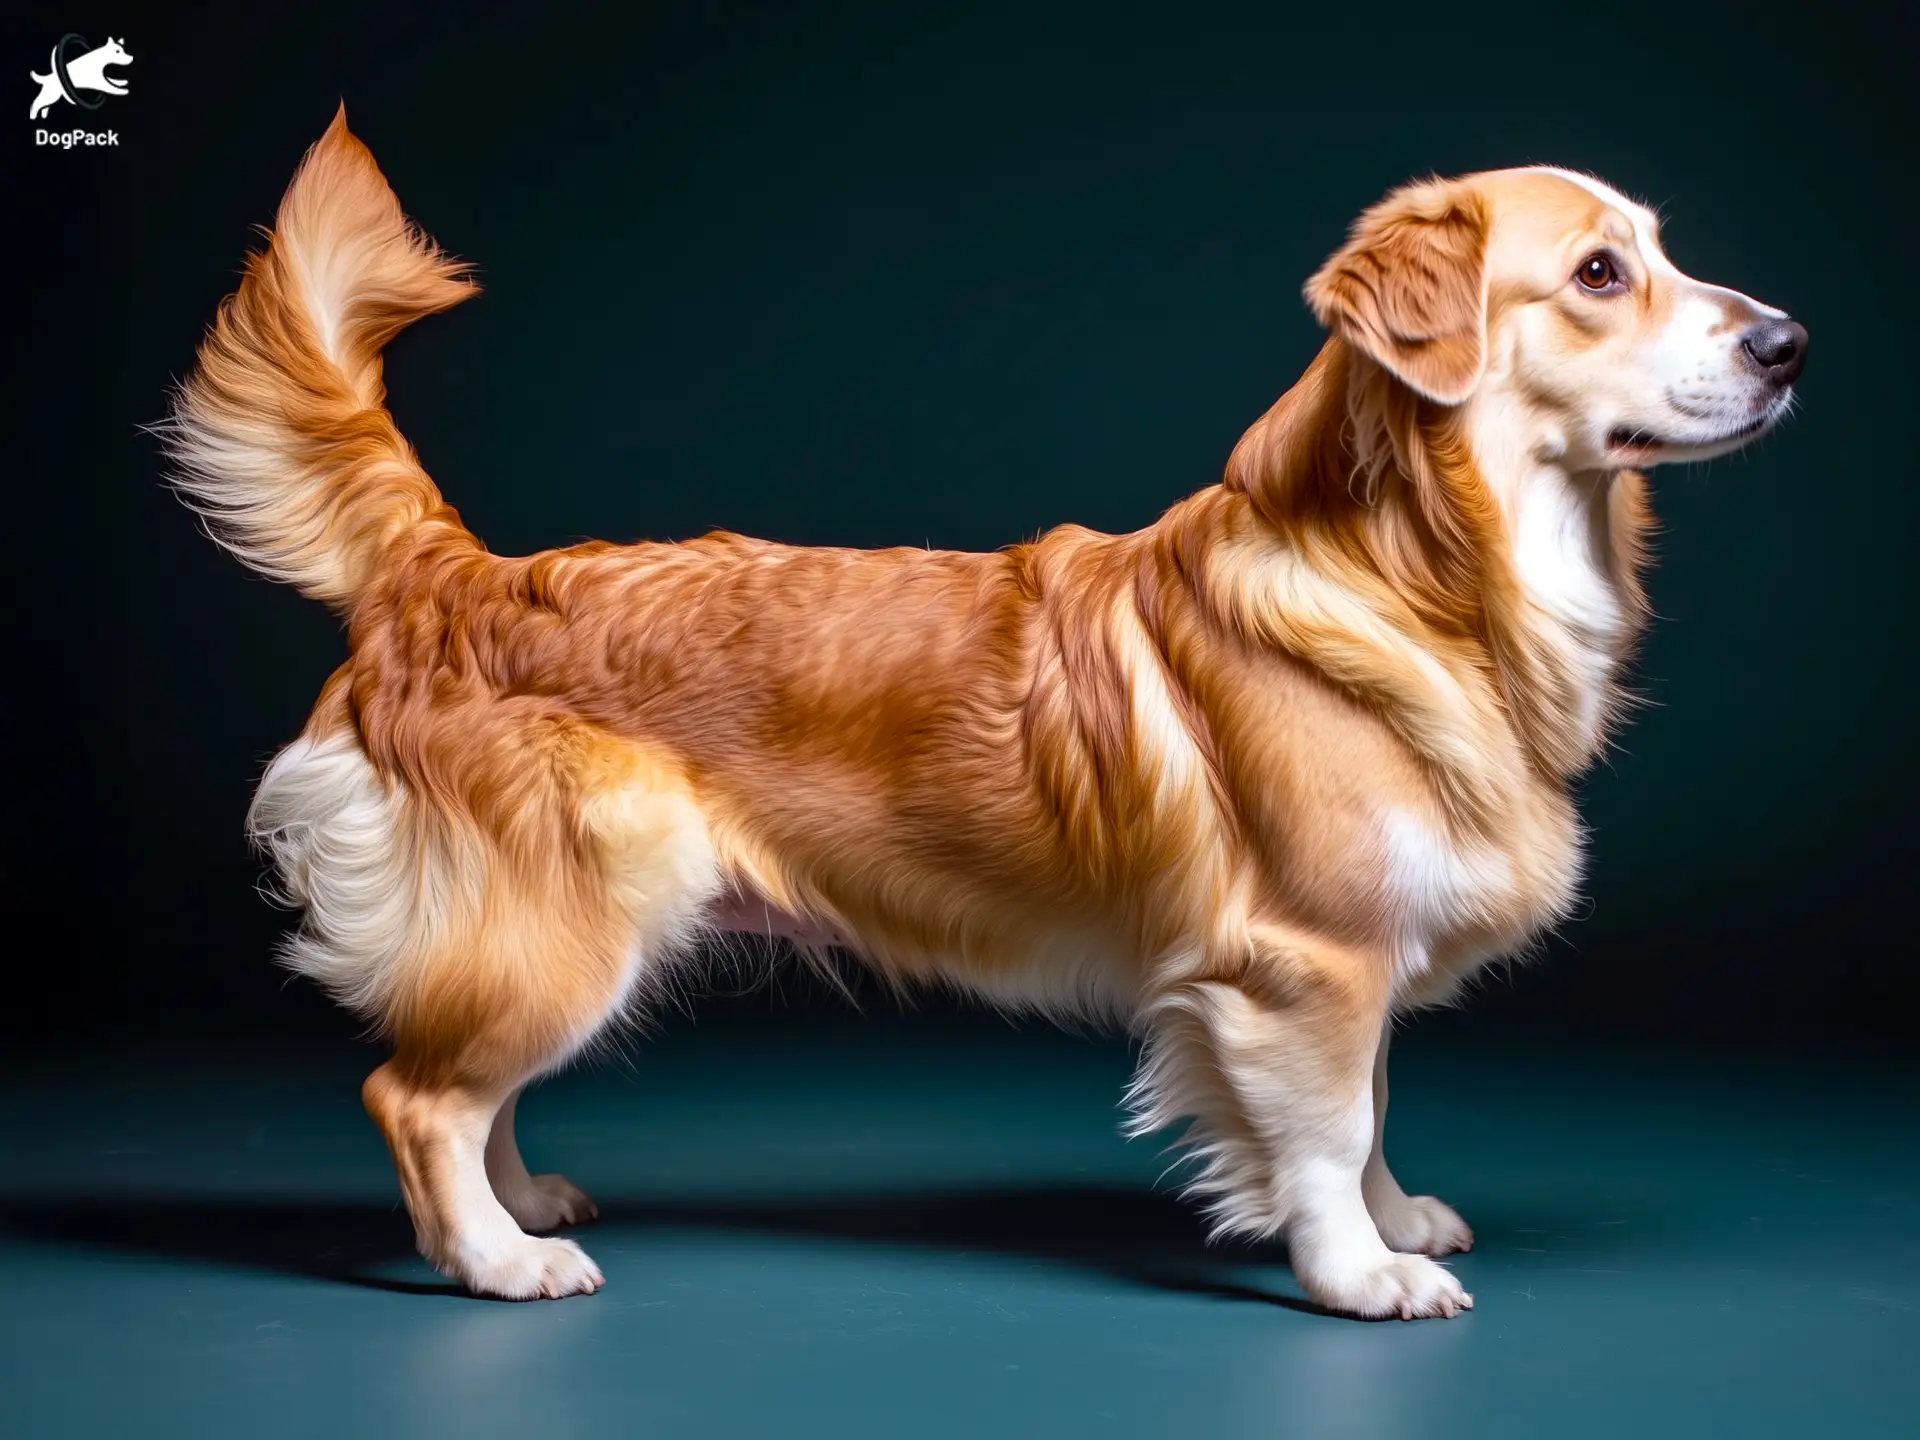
(281, 441)
(488, 926)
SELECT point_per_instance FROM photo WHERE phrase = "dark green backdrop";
(875, 274)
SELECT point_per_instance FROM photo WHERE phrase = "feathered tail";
(280, 439)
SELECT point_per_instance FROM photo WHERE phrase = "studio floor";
(926, 1229)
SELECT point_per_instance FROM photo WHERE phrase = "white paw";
(1421, 1225)
(546, 1202)
(1407, 1286)
(531, 1269)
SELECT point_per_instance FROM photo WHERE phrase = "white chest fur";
(1560, 554)
(1439, 893)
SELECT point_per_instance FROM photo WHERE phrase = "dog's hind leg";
(494, 941)
(573, 918)
(1273, 1057)
(436, 1127)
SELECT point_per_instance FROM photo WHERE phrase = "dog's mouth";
(1635, 445)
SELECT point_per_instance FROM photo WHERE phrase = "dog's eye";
(1596, 272)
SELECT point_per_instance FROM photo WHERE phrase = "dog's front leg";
(1274, 1060)
(1417, 1224)
(537, 1203)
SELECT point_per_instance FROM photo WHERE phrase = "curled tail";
(280, 439)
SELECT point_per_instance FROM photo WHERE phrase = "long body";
(1250, 780)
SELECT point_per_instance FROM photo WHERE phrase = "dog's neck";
(1574, 542)
(1467, 533)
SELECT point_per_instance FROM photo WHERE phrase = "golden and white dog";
(1251, 780)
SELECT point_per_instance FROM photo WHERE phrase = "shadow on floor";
(1138, 1237)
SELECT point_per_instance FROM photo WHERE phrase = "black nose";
(1778, 348)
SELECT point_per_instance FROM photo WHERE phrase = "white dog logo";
(85, 72)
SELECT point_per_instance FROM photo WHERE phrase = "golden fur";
(1250, 779)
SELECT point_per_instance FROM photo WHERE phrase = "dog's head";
(113, 53)
(1546, 295)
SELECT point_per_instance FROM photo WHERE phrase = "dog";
(86, 72)
(1252, 781)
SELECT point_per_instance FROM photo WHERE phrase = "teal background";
(874, 274)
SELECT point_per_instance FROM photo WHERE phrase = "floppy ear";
(1409, 288)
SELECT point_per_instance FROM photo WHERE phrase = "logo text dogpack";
(67, 139)
(77, 75)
